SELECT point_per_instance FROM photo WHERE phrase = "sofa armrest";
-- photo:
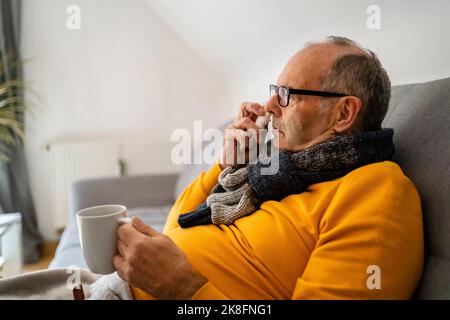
(132, 191)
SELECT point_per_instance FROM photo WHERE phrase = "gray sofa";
(420, 115)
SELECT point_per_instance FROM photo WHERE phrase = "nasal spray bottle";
(265, 122)
(255, 145)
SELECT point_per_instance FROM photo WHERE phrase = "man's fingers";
(237, 136)
(252, 110)
(245, 138)
(228, 153)
(119, 265)
(237, 146)
(245, 124)
(250, 132)
(128, 234)
(121, 247)
(140, 226)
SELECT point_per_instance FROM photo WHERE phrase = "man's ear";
(346, 114)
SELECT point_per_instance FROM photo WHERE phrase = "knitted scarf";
(241, 190)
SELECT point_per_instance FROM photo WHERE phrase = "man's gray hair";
(361, 75)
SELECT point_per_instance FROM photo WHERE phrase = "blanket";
(58, 284)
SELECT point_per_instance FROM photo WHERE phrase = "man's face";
(304, 122)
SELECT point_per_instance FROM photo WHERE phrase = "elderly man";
(337, 221)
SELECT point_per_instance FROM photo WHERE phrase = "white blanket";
(58, 284)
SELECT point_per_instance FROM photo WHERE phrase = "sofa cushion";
(153, 216)
(420, 115)
(435, 283)
(69, 252)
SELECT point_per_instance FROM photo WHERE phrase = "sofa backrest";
(420, 116)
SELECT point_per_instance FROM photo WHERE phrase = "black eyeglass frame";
(290, 91)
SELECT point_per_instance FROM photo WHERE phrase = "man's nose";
(273, 106)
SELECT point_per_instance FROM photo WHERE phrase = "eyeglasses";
(284, 94)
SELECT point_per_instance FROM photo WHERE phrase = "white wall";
(251, 40)
(125, 74)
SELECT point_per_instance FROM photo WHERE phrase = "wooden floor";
(48, 251)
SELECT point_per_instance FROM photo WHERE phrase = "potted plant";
(12, 105)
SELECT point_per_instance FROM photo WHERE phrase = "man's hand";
(236, 138)
(151, 261)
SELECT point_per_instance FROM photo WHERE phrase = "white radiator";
(72, 161)
(146, 158)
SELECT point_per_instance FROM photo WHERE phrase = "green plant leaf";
(16, 101)
(10, 85)
(12, 104)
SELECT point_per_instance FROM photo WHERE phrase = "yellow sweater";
(320, 244)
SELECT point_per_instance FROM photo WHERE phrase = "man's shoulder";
(380, 188)
(387, 173)
(378, 169)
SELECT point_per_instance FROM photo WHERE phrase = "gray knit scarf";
(241, 190)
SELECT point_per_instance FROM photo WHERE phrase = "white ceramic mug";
(97, 227)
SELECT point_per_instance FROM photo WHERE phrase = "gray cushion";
(153, 216)
(420, 115)
(435, 284)
(69, 252)
(131, 191)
